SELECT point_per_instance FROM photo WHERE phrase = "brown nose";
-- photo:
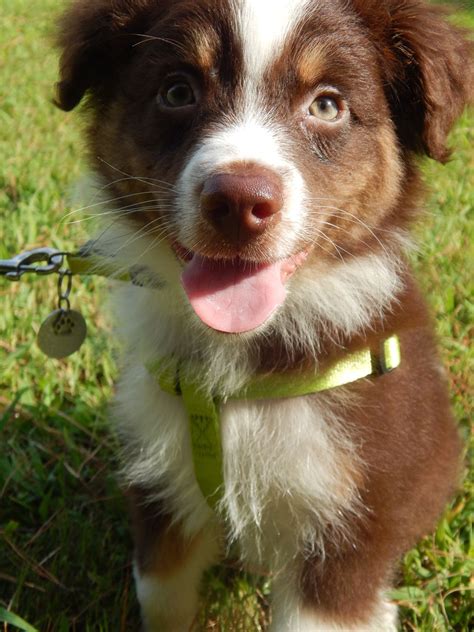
(242, 206)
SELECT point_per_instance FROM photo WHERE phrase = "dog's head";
(262, 137)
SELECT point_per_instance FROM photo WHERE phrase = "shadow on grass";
(65, 552)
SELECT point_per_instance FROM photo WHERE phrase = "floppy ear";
(95, 37)
(429, 70)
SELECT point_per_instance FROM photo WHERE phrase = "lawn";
(65, 551)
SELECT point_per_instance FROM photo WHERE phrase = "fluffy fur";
(325, 491)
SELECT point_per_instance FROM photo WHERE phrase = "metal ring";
(63, 296)
(62, 275)
(64, 304)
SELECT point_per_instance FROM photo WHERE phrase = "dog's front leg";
(168, 566)
(338, 606)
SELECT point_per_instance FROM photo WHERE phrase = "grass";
(64, 543)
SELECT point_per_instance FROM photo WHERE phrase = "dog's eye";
(326, 109)
(178, 94)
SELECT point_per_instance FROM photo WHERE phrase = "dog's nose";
(242, 206)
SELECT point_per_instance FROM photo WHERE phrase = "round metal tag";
(62, 333)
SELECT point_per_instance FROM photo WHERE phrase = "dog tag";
(62, 333)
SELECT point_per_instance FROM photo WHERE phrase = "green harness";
(179, 379)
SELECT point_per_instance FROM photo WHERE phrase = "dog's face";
(262, 136)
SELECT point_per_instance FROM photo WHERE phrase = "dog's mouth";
(235, 296)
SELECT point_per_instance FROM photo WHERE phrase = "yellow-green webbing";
(203, 414)
(203, 410)
(97, 266)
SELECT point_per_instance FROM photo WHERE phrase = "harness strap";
(97, 266)
(89, 262)
(203, 410)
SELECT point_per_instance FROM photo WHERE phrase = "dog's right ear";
(95, 38)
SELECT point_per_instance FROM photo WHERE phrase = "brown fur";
(404, 427)
(161, 549)
(311, 64)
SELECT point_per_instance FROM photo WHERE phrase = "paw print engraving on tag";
(64, 324)
(62, 333)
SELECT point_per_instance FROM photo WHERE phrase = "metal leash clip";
(64, 330)
(41, 261)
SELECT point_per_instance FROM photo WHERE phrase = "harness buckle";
(388, 358)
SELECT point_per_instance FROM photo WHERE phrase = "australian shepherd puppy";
(261, 161)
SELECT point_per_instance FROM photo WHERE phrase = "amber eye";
(326, 109)
(178, 94)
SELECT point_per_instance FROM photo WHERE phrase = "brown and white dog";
(262, 159)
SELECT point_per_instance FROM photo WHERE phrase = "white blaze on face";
(250, 134)
(264, 26)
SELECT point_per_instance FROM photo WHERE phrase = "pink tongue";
(232, 296)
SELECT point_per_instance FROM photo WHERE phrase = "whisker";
(345, 230)
(119, 213)
(122, 213)
(146, 38)
(130, 176)
(104, 202)
(155, 242)
(357, 220)
(160, 185)
(338, 249)
(163, 184)
(137, 234)
(113, 239)
(352, 217)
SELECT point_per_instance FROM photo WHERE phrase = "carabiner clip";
(30, 261)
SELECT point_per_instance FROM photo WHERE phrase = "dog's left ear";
(428, 67)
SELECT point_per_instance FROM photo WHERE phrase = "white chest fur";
(289, 467)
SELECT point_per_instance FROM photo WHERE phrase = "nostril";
(215, 205)
(263, 210)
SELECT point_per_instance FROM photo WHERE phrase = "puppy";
(261, 163)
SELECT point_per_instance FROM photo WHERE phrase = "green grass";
(65, 550)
